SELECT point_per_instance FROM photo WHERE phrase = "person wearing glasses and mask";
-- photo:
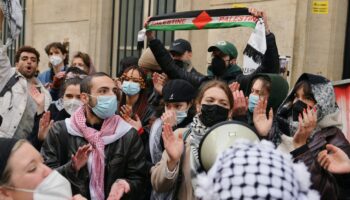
(108, 159)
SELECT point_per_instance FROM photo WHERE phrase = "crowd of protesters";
(75, 133)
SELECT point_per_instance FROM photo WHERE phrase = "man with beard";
(23, 99)
(109, 159)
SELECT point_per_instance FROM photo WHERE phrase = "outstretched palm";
(334, 160)
(262, 123)
(173, 144)
(44, 125)
(81, 157)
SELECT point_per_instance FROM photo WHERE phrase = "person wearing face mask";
(270, 90)
(134, 101)
(84, 62)
(24, 176)
(178, 112)
(68, 102)
(135, 110)
(224, 60)
(108, 158)
(178, 168)
(306, 121)
(58, 61)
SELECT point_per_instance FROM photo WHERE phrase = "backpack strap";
(13, 80)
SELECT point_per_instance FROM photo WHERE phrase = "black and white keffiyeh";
(254, 52)
(255, 171)
(197, 133)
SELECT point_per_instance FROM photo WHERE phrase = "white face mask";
(55, 60)
(53, 187)
(71, 105)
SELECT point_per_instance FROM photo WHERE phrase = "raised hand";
(149, 34)
(174, 146)
(262, 123)
(38, 97)
(80, 158)
(44, 125)
(169, 117)
(334, 160)
(58, 79)
(137, 124)
(234, 87)
(159, 81)
(307, 124)
(240, 105)
(119, 188)
(257, 13)
(125, 111)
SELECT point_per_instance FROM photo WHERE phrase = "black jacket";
(330, 186)
(270, 65)
(125, 159)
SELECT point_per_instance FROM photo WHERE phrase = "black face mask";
(298, 108)
(179, 63)
(213, 114)
(218, 66)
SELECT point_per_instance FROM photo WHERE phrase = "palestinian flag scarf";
(219, 18)
(203, 19)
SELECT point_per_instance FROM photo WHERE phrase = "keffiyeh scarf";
(254, 52)
(197, 133)
(112, 129)
(255, 171)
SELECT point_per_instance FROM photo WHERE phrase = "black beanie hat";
(6, 146)
(178, 90)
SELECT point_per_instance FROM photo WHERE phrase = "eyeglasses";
(140, 80)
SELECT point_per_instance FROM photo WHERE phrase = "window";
(130, 22)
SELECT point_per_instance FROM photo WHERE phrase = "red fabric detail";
(201, 20)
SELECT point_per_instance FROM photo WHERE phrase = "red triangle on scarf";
(201, 20)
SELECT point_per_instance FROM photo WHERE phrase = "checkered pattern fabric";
(255, 171)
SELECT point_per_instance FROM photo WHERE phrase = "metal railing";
(12, 49)
(131, 21)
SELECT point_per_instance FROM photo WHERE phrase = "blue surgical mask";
(106, 106)
(252, 102)
(130, 88)
(180, 116)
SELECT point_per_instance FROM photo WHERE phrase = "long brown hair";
(215, 83)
